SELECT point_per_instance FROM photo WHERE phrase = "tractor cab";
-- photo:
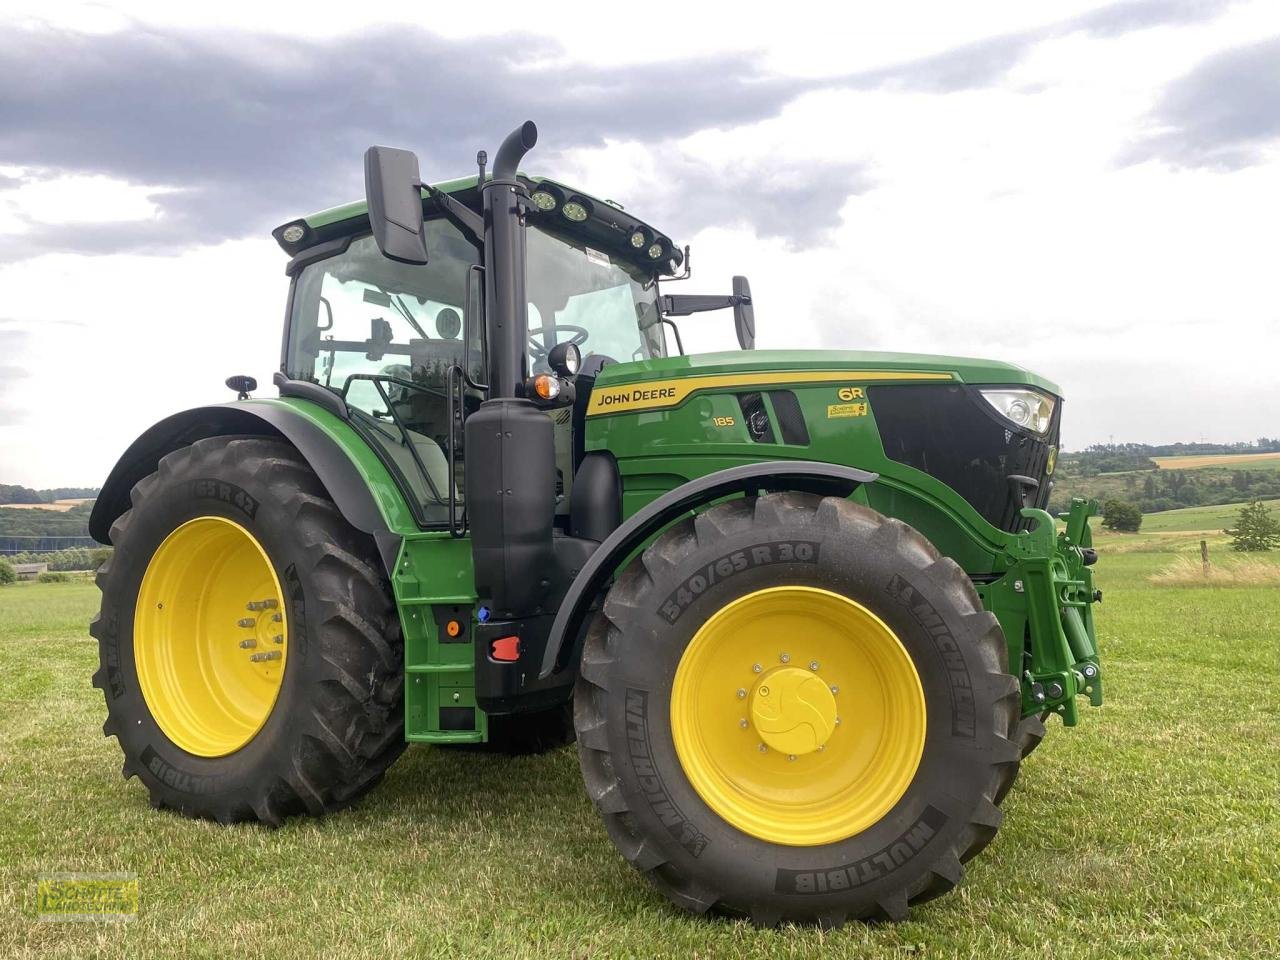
(385, 336)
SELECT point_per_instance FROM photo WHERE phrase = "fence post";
(1204, 557)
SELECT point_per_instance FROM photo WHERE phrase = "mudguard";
(332, 464)
(826, 479)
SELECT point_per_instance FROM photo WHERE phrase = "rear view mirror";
(393, 189)
(744, 314)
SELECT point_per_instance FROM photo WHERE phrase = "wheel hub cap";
(793, 711)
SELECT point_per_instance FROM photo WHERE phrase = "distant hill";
(1170, 476)
(11, 493)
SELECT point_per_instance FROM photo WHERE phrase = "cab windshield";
(606, 306)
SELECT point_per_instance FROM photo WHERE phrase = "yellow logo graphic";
(850, 393)
(87, 896)
(846, 410)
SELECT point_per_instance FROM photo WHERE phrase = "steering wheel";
(578, 338)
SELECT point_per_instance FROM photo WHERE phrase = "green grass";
(1151, 830)
(1213, 519)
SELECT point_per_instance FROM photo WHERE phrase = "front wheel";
(794, 709)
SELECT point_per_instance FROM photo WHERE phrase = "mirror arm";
(681, 305)
(461, 216)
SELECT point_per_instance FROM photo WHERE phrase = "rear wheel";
(795, 709)
(250, 651)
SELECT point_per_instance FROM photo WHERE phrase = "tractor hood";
(675, 378)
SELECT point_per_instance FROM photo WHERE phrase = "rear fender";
(347, 482)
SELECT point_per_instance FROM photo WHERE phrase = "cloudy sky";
(1090, 190)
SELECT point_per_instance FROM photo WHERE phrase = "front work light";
(565, 358)
(637, 239)
(544, 200)
(293, 233)
(1028, 409)
(575, 210)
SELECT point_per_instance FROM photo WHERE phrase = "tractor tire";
(763, 817)
(251, 656)
(1031, 731)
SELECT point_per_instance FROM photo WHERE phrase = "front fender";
(360, 487)
(827, 479)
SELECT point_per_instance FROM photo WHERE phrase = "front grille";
(951, 433)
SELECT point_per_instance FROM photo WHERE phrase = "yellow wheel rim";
(798, 715)
(210, 636)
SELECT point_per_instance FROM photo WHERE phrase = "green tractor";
(803, 611)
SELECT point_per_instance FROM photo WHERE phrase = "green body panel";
(434, 571)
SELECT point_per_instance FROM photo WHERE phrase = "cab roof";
(607, 226)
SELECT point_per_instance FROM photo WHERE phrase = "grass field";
(1213, 519)
(1234, 461)
(1151, 830)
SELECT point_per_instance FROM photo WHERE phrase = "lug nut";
(821, 747)
(260, 657)
(277, 617)
(763, 749)
(743, 723)
(246, 622)
(742, 694)
(248, 644)
(278, 638)
(813, 665)
(784, 657)
(837, 721)
(834, 688)
(791, 756)
(756, 668)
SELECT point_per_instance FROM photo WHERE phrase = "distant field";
(1197, 518)
(59, 506)
(1235, 461)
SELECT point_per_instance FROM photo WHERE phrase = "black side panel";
(595, 503)
(790, 417)
(511, 502)
(951, 433)
(331, 464)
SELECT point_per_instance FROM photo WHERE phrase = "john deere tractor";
(804, 611)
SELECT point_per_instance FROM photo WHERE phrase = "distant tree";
(53, 576)
(1149, 486)
(1256, 529)
(1121, 515)
(99, 556)
(7, 574)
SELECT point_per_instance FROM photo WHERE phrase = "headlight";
(1026, 408)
